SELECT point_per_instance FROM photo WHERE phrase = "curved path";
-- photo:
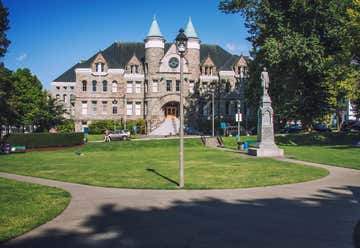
(319, 213)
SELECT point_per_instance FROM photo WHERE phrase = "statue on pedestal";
(265, 146)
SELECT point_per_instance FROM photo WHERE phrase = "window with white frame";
(129, 108)
(99, 67)
(114, 86)
(84, 107)
(84, 85)
(177, 85)
(155, 86)
(138, 108)
(138, 87)
(129, 87)
(94, 106)
(104, 107)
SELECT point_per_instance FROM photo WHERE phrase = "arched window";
(100, 67)
(84, 85)
(94, 85)
(57, 96)
(104, 85)
(114, 86)
(64, 98)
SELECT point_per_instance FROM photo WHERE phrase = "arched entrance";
(171, 110)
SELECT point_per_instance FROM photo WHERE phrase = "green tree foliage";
(98, 127)
(302, 44)
(4, 26)
(27, 97)
(5, 89)
(68, 126)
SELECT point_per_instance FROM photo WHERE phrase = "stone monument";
(265, 146)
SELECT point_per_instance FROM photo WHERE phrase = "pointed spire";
(154, 30)
(190, 30)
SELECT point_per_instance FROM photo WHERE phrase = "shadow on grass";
(164, 177)
(326, 219)
(343, 147)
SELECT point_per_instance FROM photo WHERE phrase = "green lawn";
(328, 148)
(24, 206)
(154, 165)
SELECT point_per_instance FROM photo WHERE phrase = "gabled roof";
(118, 54)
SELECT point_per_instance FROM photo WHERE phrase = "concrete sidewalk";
(320, 214)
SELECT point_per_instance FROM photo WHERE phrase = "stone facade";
(141, 80)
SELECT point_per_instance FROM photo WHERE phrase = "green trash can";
(18, 149)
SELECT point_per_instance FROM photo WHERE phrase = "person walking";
(107, 137)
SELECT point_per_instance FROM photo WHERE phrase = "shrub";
(67, 127)
(37, 140)
(99, 127)
(140, 123)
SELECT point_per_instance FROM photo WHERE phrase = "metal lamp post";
(238, 118)
(212, 89)
(124, 109)
(114, 102)
(181, 47)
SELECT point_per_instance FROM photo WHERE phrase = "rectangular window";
(138, 87)
(94, 106)
(191, 86)
(94, 86)
(155, 86)
(84, 107)
(131, 69)
(177, 85)
(168, 85)
(145, 108)
(114, 86)
(129, 87)
(136, 69)
(228, 87)
(114, 109)
(104, 84)
(129, 108)
(138, 108)
(104, 107)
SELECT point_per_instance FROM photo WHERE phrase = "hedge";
(37, 140)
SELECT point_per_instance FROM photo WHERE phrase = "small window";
(94, 106)
(228, 87)
(168, 85)
(64, 87)
(138, 87)
(191, 86)
(57, 87)
(155, 86)
(84, 107)
(129, 108)
(129, 87)
(114, 109)
(100, 67)
(138, 108)
(104, 84)
(114, 86)
(64, 98)
(177, 85)
(71, 87)
(131, 69)
(84, 85)
(104, 107)
(136, 69)
(94, 85)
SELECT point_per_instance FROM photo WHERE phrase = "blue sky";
(50, 36)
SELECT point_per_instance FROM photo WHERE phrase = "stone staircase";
(168, 127)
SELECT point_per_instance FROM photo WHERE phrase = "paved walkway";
(319, 214)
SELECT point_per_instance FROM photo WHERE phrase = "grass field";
(327, 148)
(24, 206)
(154, 165)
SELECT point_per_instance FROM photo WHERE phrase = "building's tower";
(154, 48)
(193, 53)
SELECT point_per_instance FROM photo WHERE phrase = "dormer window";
(100, 67)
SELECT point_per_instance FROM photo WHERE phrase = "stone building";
(130, 80)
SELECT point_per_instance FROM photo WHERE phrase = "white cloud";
(236, 48)
(22, 57)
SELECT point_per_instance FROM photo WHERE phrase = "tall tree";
(27, 97)
(300, 41)
(4, 26)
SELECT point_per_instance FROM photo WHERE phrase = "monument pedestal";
(265, 146)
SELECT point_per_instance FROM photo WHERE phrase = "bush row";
(98, 127)
(38, 140)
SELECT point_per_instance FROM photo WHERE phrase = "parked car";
(233, 130)
(293, 129)
(120, 135)
(351, 126)
(321, 127)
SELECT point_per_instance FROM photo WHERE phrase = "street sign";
(86, 130)
(223, 125)
(238, 117)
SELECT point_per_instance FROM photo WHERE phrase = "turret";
(154, 47)
(193, 53)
